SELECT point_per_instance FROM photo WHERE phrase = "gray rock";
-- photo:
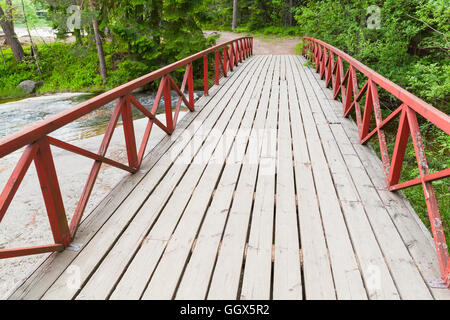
(28, 86)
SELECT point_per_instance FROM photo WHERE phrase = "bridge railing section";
(329, 62)
(36, 139)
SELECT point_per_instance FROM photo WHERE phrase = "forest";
(137, 36)
(104, 43)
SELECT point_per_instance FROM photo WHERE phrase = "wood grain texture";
(261, 193)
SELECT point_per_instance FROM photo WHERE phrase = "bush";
(399, 50)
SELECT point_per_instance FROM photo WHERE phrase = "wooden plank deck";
(262, 193)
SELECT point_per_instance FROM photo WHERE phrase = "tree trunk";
(8, 11)
(235, 4)
(3, 58)
(78, 36)
(155, 20)
(291, 14)
(11, 37)
(33, 47)
(98, 43)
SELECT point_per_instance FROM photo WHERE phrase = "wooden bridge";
(263, 191)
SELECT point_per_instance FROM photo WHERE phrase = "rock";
(28, 86)
(139, 90)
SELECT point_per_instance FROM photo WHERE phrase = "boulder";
(28, 86)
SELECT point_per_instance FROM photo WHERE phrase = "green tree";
(7, 24)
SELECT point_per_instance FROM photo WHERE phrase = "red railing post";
(37, 141)
(322, 64)
(349, 93)
(408, 126)
(191, 85)
(330, 69)
(447, 274)
(85, 195)
(51, 192)
(318, 54)
(235, 54)
(130, 139)
(368, 109)
(245, 48)
(355, 103)
(216, 66)
(337, 82)
(430, 198)
(225, 62)
(205, 75)
(378, 120)
(231, 55)
(240, 50)
(168, 104)
(401, 142)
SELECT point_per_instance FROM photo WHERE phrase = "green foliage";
(437, 150)
(431, 81)
(279, 32)
(126, 70)
(268, 17)
(67, 67)
(405, 49)
(30, 10)
(13, 75)
(408, 49)
(139, 36)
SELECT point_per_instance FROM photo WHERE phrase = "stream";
(26, 221)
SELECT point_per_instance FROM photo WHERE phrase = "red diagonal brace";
(430, 198)
(130, 139)
(16, 178)
(46, 172)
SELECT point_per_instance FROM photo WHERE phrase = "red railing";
(37, 141)
(329, 62)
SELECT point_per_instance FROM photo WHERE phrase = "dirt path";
(261, 45)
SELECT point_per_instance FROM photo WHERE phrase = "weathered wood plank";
(257, 282)
(318, 279)
(263, 192)
(287, 282)
(45, 275)
(404, 271)
(182, 239)
(413, 231)
(378, 281)
(88, 259)
(172, 197)
(196, 278)
(162, 231)
(347, 277)
(227, 272)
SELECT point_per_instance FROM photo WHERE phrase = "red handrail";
(37, 141)
(329, 63)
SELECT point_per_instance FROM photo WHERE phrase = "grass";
(66, 67)
(70, 67)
